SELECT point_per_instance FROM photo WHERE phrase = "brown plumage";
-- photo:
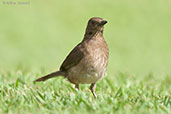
(87, 62)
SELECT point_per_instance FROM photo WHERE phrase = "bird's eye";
(90, 33)
(92, 22)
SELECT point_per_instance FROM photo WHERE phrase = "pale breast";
(90, 69)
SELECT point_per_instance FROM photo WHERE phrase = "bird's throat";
(92, 35)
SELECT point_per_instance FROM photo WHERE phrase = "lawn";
(36, 37)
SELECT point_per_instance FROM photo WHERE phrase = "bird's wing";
(73, 58)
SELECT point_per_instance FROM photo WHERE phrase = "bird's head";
(95, 24)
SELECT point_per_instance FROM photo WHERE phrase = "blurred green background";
(35, 38)
(40, 34)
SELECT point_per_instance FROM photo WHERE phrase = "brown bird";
(87, 62)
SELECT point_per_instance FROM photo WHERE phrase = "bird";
(88, 61)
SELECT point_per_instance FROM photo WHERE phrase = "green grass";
(35, 38)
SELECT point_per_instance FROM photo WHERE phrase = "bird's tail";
(54, 74)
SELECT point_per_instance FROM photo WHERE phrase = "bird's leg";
(92, 88)
(77, 86)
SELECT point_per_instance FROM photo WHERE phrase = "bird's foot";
(77, 87)
(92, 88)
